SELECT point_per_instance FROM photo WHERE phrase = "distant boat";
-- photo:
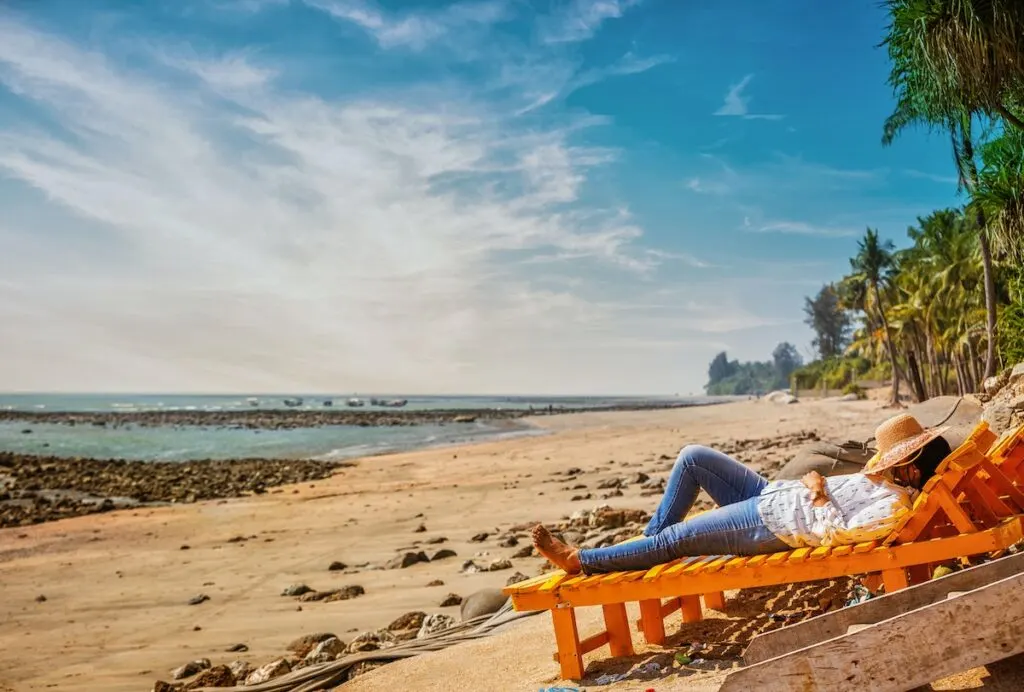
(355, 402)
(253, 401)
(297, 401)
(328, 402)
(394, 403)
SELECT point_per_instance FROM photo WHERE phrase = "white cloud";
(945, 179)
(737, 104)
(802, 228)
(707, 187)
(214, 231)
(581, 19)
(418, 29)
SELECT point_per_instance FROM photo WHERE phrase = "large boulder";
(482, 602)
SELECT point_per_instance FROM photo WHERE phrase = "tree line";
(946, 311)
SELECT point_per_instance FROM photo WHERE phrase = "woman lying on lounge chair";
(755, 516)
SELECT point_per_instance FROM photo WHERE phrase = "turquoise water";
(182, 443)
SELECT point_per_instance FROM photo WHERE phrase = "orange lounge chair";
(969, 507)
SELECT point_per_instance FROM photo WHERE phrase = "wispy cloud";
(945, 179)
(802, 228)
(628, 64)
(232, 233)
(707, 187)
(579, 20)
(414, 29)
(737, 104)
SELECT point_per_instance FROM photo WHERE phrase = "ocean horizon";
(171, 443)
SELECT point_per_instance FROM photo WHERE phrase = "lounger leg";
(651, 621)
(567, 637)
(617, 623)
(919, 574)
(895, 579)
(714, 601)
(691, 609)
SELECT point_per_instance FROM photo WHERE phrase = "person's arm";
(815, 482)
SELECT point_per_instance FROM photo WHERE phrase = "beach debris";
(296, 590)
(185, 547)
(451, 599)
(509, 541)
(858, 594)
(515, 578)
(422, 528)
(443, 554)
(435, 582)
(525, 551)
(326, 651)
(161, 686)
(268, 672)
(237, 648)
(336, 566)
(436, 540)
(307, 642)
(217, 676)
(435, 622)
(240, 669)
(499, 564)
(941, 571)
(610, 483)
(40, 598)
(408, 621)
(372, 641)
(364, 667)
(190, 669)
(470, 567)
(610, 679)
(681, 658)
(480, 537)
(406, 560)
(198, 598)
(343, 594)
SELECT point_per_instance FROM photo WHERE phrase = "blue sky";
(494, 196)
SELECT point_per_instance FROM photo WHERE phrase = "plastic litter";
(610, 679)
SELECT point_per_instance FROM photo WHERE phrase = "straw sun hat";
(899, 439)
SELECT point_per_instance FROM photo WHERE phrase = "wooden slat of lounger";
(699, 565)
(682, 565)
(799, 555)
(735, 563)
(656, 571)
(841, 550)
(757, 561)
(716, 565)
(570, 583)
(865, 547)
(776, 559)
(819, 553)
(553, 583)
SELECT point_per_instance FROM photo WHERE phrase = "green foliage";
(1011, 322)
(854, 388)
(829, 320)
(727, 377)
(834, 373)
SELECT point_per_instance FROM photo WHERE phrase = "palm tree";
(959, 56)
(999, 194)
(871, 267)
(953, 60)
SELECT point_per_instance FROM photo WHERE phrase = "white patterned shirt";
(860, 508)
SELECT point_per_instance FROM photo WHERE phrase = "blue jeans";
(733, 528)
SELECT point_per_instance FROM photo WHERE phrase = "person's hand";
(815, 482)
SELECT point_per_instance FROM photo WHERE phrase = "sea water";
(331, 442)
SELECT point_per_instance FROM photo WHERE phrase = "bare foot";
(560, 555)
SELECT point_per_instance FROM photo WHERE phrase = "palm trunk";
(1009, 117)
(960, 384)
(933, 366)
(888, 345)
(915, 375)
(968, 165)
(972, 357)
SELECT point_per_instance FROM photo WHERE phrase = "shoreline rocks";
(275, 419)
(35, 489)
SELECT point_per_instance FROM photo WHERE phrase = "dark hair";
(930, 457)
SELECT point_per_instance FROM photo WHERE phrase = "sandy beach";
(101, 601)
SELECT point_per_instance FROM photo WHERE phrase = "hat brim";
(903, 451)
